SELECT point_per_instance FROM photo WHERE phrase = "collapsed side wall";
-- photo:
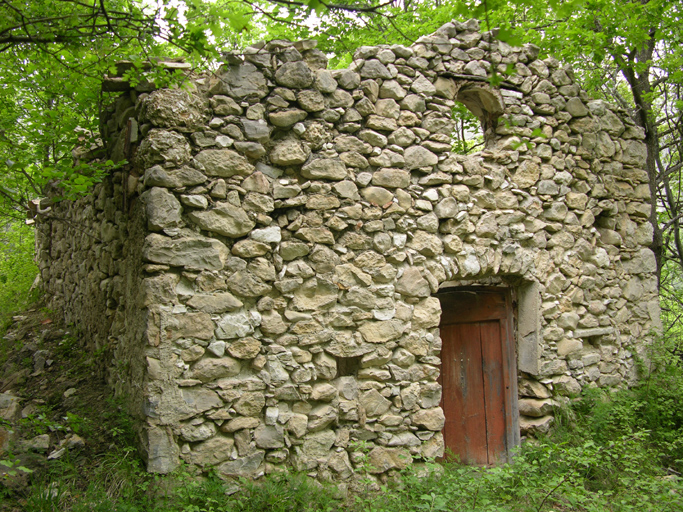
(299, 221)
(89, 255)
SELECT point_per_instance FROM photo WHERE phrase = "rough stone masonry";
(264, 270)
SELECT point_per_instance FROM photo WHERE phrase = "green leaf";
(509, 36)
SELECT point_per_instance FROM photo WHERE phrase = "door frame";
(508, 342)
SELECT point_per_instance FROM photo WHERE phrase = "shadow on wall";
(485, 103)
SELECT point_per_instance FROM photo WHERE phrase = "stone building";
(295, 270)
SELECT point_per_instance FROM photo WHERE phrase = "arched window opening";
(476, 115)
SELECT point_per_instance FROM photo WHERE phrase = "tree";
(53, 25)
(53, 55)
(629, 52)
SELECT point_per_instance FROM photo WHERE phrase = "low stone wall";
(267, 266)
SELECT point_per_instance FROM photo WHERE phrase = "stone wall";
(266, 268)
(89, 254)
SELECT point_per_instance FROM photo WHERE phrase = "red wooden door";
(475, 376)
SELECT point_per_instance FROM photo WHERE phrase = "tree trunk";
(641, 88)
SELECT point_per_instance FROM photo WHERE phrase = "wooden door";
(476, 358)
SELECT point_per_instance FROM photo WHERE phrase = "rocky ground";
(54, 411)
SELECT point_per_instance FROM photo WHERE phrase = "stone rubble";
(265, 267)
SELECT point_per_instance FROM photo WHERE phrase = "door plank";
(469, 306)
(463, 403)
(494, 390)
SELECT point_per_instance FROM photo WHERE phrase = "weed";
(77, 423)
(67, 346)
(284, 492)
(13, 468)
(40, 423)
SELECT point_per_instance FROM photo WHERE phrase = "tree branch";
(106, 16)
(338, 7)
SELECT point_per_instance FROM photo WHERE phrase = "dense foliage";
(53, 54)
(17, 269)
